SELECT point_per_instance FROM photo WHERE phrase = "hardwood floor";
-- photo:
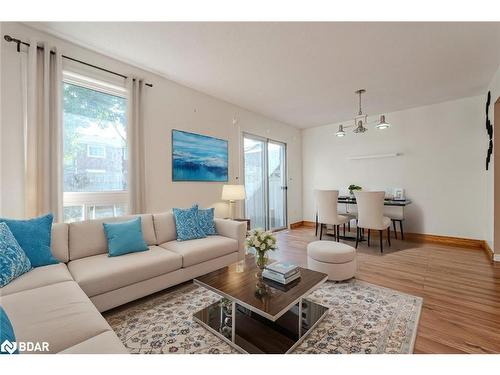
(460, 288)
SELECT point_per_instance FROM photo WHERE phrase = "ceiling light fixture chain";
(360, 92)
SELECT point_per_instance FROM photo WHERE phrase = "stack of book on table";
(281, 272)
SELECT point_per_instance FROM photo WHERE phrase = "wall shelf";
(376, 156)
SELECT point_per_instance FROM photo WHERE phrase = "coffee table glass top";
(249, 332)
(239, 282)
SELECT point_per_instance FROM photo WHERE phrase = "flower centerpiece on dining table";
(352, 188)
(262, 242)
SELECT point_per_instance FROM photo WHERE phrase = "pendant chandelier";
(361, 120)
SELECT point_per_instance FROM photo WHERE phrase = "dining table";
(387, 201)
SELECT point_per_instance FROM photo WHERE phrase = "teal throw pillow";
(125, 237)
(34, 236)
(206, 221)
(7, 334)
(187, 225)
(13, 260)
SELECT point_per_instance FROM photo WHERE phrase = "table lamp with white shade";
(233, 193)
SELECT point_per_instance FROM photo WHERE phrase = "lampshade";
(382, 124)
(233, 192)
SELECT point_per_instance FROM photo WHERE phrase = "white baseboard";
(496, 257)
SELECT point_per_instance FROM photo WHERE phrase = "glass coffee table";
(260, 316)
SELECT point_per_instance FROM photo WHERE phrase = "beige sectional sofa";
(60, 303)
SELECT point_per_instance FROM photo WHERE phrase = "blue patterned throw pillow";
(34, 236)
(13, 260)
(206, 220)
(187, 225)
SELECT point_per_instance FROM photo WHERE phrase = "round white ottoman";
(336, 259)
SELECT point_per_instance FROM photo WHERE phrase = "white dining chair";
(344, 210)
(371, 215)
(326, 205)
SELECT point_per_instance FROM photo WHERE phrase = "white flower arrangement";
(261, 240)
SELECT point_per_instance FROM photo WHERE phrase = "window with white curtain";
(95, 162)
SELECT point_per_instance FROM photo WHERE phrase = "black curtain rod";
(8, 38)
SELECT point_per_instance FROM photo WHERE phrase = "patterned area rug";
(363, 318)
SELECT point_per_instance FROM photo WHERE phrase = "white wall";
(168, 105)
(442, 168)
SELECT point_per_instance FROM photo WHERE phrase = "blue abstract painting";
(198, 157)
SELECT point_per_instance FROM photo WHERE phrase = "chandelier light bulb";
(340, 132)
(382, 123)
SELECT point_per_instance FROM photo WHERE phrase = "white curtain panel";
(42, 117)
(135, 136)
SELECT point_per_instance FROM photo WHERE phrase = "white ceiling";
(305, 74)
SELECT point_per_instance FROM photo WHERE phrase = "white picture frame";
(399, 194)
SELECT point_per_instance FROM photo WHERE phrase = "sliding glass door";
(255, 186)
(276, 173)
(265, 182)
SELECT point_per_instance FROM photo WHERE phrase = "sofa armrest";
(233, 229)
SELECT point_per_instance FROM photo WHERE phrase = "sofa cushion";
(104, 343)
(34, 236)
(165, 227)
(203, 249)
(13, 260)
(86, 238)
(59, 243)
(60, 314)
(100, 274)
(37, 277)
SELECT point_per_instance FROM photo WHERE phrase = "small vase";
(260, 261)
